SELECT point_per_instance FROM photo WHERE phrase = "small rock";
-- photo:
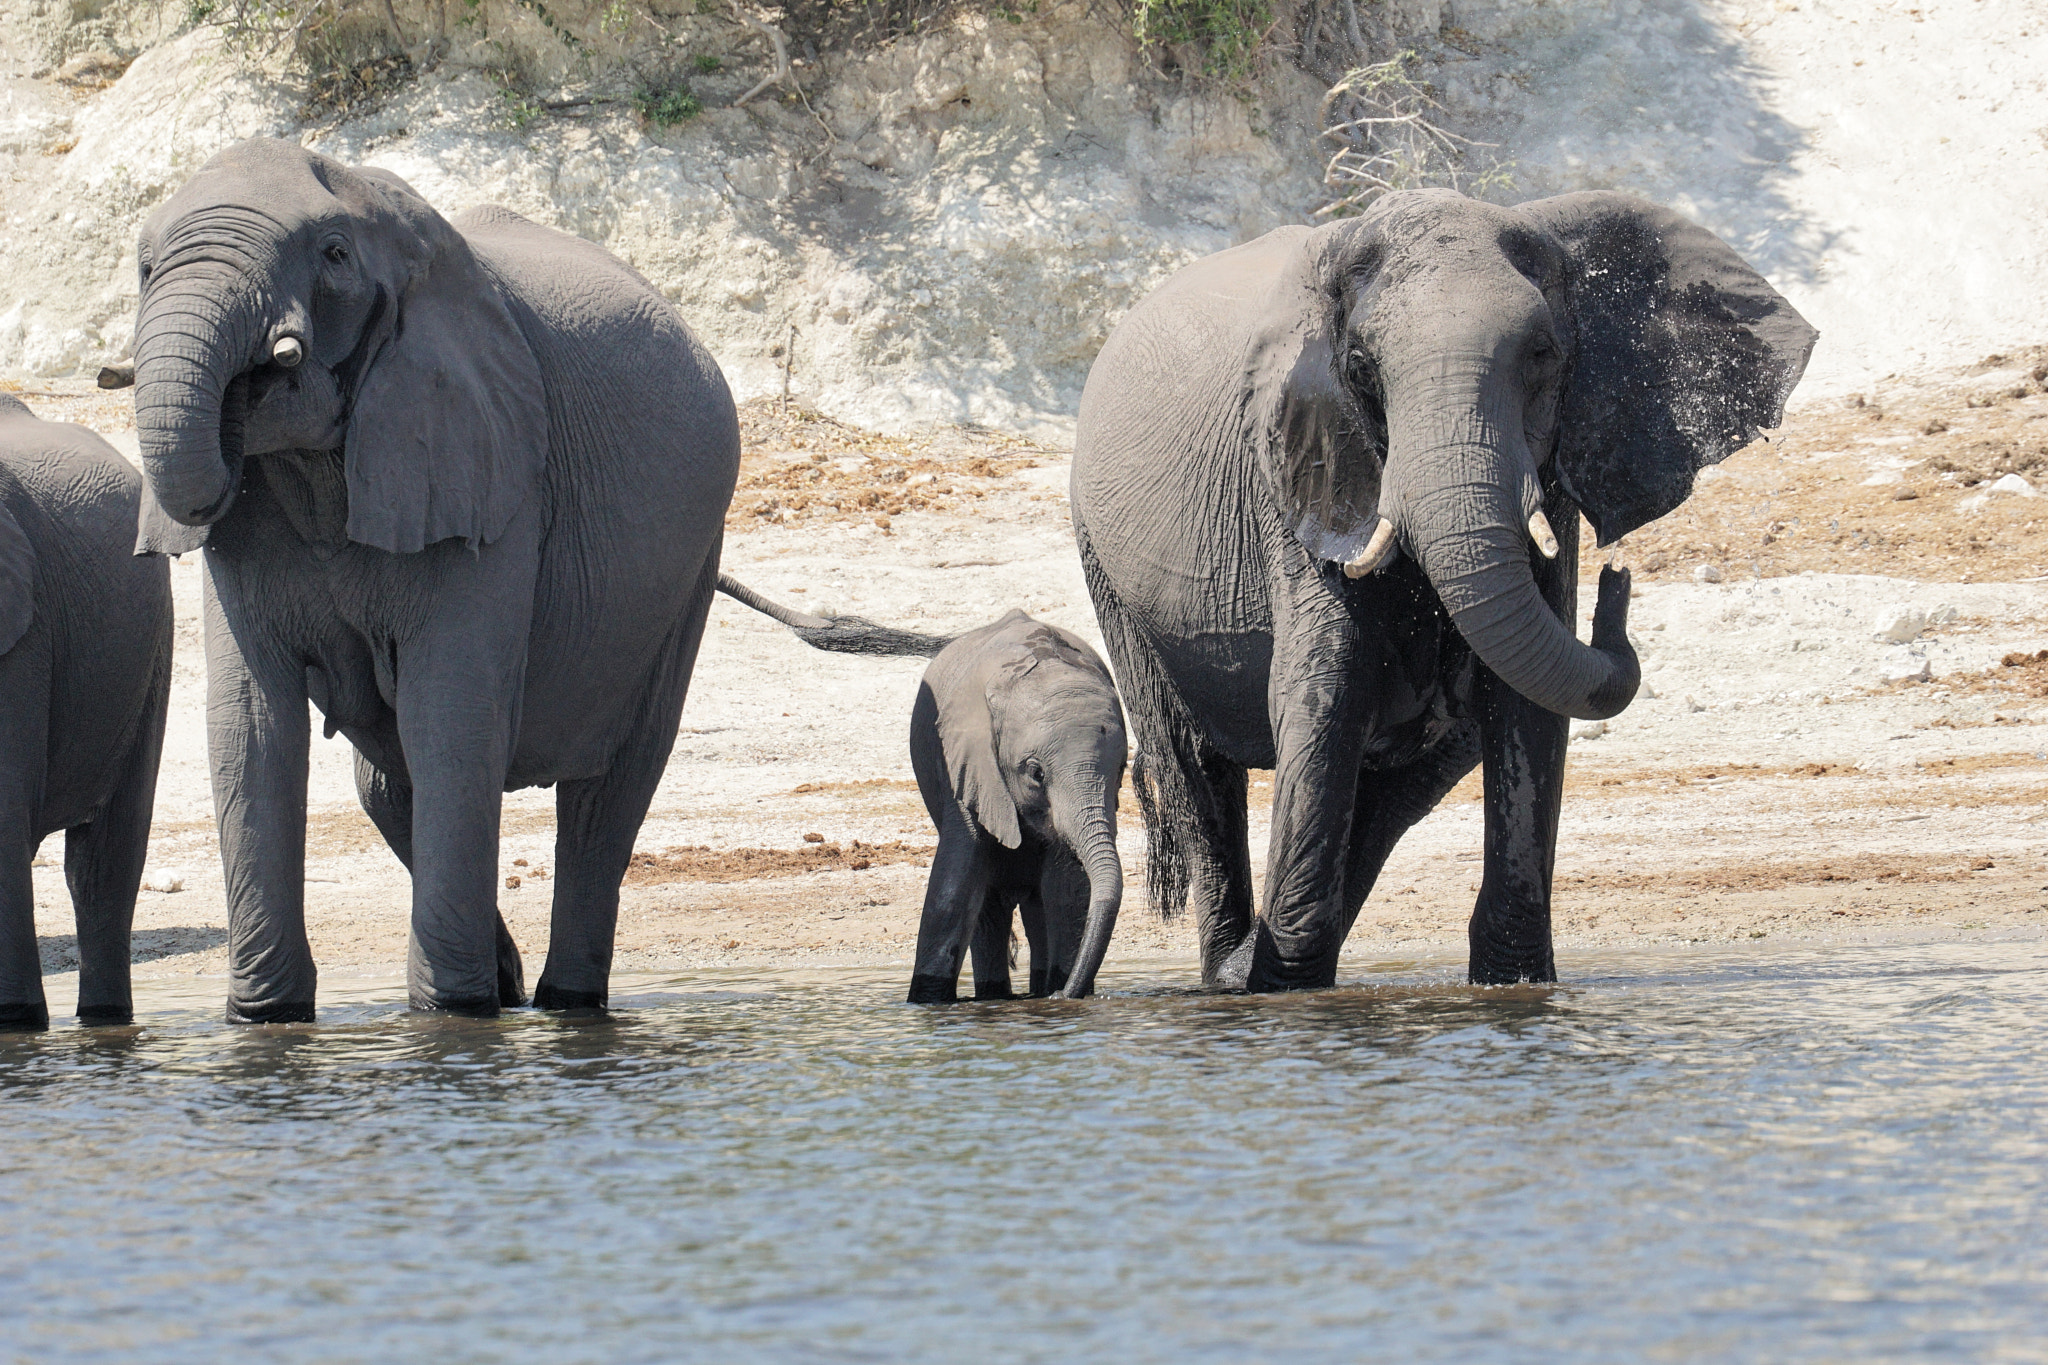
(1647, 691)
(163, 879)
(1901, 625)
(1582, 730)
(1692, 705)
(1905, 494)
(1707, 573)
(814, 838)
(1908, 671)
(2012, 484)
(511, 883)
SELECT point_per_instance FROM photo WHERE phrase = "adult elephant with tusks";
(462, 482)
(1307, 479)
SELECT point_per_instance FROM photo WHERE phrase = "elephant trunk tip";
(1610, 639)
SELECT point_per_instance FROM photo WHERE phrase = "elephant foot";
(1269, 972)
(286, 1012)
(1235, 971)
(104, 1016)
(926, 989)
(511, 970)
(473, 1007)
(24, 1018)
(994, 991)
(1506, 970)
(548, 996)
(1048, 983)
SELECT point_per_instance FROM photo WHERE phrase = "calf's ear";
(1683, 353)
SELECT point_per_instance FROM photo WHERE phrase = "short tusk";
(1539, 527)
(1375, 552)
(288, 352)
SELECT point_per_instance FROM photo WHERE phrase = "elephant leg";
(24, 746)
(1198, 844)
(1524, 760)
(991, 948)
(257, 741)
(597, 821)
(22, 1003)
(388, 803)
(956, 896)
(1391, 802)
(103, 864)
(1319, 730)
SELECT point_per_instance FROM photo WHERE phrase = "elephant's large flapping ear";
(448, 430)
(17, 580)
(1323, 450)
(1683, 354)
(967, 733)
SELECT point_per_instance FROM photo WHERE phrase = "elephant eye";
(336, 252)
(1033, 771)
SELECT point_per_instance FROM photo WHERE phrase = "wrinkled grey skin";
(85, 677)
(460, 482)
(1017, 740)
(1449, 367)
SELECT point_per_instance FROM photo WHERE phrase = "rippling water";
(1824, 1156)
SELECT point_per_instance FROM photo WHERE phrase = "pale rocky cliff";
(952, 221)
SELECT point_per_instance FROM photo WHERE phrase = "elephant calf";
(85, 677)
(1017, 739)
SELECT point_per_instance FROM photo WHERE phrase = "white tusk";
(1375, 552)
(288, 352)
(1539, 527)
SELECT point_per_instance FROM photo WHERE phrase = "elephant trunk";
(1463, 489)
(1095, 846)
(196, 337)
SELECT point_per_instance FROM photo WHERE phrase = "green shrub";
(666, 108)
(1231, 32)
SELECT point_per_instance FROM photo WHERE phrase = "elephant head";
(1038, 750)
(291, 302)
(1429, 372)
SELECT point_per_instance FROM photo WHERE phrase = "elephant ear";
(1324, 452)
(17, 580)
(967, 733)
(1683, 354)
(448, 430)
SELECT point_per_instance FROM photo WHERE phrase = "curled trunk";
(1096, 848)
(193, 348)
(1465, 490)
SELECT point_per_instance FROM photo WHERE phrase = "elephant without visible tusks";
(1308, 476)
(1017, 739)
(462, 483)
(85, 678)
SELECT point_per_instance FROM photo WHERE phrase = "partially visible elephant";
(463, 484)
(1017, 739)
(1307, 478)
(85, 680)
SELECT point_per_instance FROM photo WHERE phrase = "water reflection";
(1815, 1156)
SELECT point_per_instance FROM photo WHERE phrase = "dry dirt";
(1773, 781)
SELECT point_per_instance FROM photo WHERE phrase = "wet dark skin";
(1326, 492)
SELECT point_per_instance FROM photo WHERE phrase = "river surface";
(1825, 1155)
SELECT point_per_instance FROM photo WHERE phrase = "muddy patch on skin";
(700, 864)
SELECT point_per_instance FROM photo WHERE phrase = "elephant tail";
(839, 634)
